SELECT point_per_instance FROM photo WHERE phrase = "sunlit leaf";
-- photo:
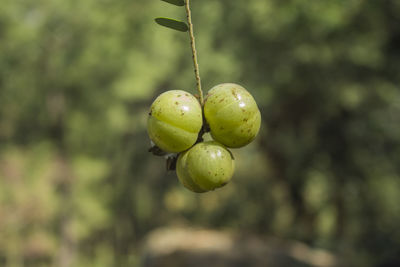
(173, 24)
(175, 2)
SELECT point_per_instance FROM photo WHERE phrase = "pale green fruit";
(174, 121)
(204, 167)
(232, 114)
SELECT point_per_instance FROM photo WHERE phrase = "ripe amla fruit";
(204, 167)
(174, 121)
(232, 114)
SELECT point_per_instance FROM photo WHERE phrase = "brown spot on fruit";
(177, 103)
(234, 94)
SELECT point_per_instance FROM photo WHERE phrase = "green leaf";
(175, 2)
(173, 24)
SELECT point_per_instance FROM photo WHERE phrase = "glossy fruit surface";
(204, 167)
(174, 121)
(232, 114)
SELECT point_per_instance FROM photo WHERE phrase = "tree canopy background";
(77, 185)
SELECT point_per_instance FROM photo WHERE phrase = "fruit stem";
(194, 52)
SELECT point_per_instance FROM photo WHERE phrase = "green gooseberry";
(204, 167)
(174, 121)
(232, 114)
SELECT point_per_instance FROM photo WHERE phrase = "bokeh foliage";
(77, 185)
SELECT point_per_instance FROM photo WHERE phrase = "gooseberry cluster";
(176, 126)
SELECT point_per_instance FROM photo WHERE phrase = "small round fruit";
(174, 121)
(204, 167)
(232, 114)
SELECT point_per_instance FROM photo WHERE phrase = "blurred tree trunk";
(68, 242)
(291, 175)
(56, 107)
(339, 203)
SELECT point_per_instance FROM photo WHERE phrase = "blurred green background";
(77, 77)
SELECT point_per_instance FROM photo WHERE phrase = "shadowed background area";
(320, 186)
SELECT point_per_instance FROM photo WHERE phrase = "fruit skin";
(174, 121)
(232, 114)
(204, 167)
